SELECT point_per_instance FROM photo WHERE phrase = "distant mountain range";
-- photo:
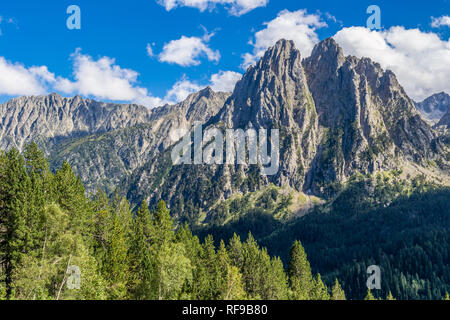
(338, 116)
(436, 109)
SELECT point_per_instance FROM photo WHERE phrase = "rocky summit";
(337, 115)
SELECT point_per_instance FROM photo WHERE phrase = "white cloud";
(221, 81)
(234, 7)
(186, 51)
(103, 79)
(150, 50)
(297, 26)
(225, 80)
(181, 90)
(420, 60)
(16, 79)
(441, 21)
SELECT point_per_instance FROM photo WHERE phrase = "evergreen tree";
(70, 196)
(299, 271)
(320, 291)
(336, 292)
(141, 262)
(235, 251)
(16, 217)
(172, 268)
(369, 295)
(230, 282)
(116, 265)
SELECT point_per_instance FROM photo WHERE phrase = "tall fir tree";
(337, 293)
(299, 271)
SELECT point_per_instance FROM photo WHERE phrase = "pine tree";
(211, 275)
(369, 295)
(230, 281)
(18, 238)
(320, 291)
(337, 293)
(140, 256)
(163, 231)
(235, 251)
(390, 296)
(299, 271)
(254, 268)
(275, 283)
(116, 264)
(194, 250)
(70, 196)
(172, 268)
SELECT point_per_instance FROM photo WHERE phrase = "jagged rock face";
(434, 107)
(103, 142)
(337, 116)
(273, 91)
(445, 121)
(274, 94)
(50, 119)
(103, 160)
(366, 115)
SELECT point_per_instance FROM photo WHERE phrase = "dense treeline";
(48, 225)
(401, 226)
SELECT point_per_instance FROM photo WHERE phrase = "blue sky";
(195, 43)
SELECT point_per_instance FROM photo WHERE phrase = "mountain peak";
(259, 97)
(284, 44)
(280, 53)
(435, 106)
(328, 53)
(206, 92)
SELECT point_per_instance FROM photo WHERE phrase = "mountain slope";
(445, 120)
(337, 116)
(51, 119)
(434, 107)
(104, 159)
(371, 122)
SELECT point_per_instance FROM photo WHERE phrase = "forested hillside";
(49, 227)
(402, 226)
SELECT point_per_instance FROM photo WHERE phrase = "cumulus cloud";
(104, 79)
(234, 7)
(298, 26)
(150, 50)
(221, 81)
(186, 51)
(16, 79)
(181, 89)
(420, 60)
(224, 80)
(101, 79)
(441, 21)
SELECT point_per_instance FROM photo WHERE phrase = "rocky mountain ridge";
(434, 107)
(337, 116)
